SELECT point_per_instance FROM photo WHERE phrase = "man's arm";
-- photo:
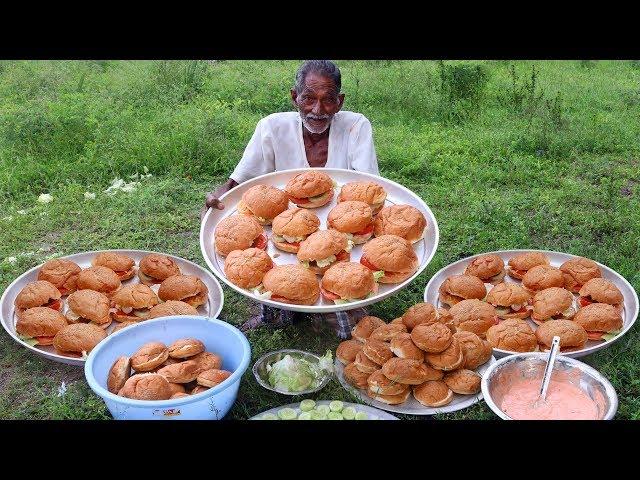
(362, 153)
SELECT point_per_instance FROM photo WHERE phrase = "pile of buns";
(420, 354)
(160, 372)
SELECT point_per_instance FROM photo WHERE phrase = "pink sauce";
(564, 401)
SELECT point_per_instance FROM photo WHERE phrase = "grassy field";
(507, 154)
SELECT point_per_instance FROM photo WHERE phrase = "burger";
(572, 335)
(513, 335)
(346, 282)
(186, 288)
(185, 348)
(119, 374)
(150, 386)
(578, 271)
(475, 350)
(124, 266)
(552, 304)
(100, 279)
(77, 340)
(599, 290)
(368, 192)
(406, 371)
(488, 268)
(38, 294)
(292, 227)
(365, 327)
(463, 381)
(149, 356)
(448, 359)
(473, 316)
(404, 221)
(213, 377)
(600, 320)
(391, 258)
(541, 277)
(354, 376)
(461, 287)
(387, 332)
(420, 313)
(432, 338)
(122, 325)
(510, 300)
(84, 306)
(402, 346)
(347, 351)
(434, 393)
(323, 248)
(519, 265)
(353, 218)
(38, 325)
(61, 273)
(391, 399)
(264, 202)
(377, 351)
(238, 232)
(133, 302)
(291, 284)
(364, 364)
(181, 372)
(381, 385)
(246, 268)
(155, 268)
(170, 308)
(310, 189)
(207, 361)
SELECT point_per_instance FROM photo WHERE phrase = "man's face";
(318, 102)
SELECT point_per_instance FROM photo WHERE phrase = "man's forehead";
(316, 83)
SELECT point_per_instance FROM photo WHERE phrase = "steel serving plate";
(262, 375)
(629, 313)
(396, 194)
(211, 309)
(374, 413)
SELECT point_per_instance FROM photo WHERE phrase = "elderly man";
(319, 135)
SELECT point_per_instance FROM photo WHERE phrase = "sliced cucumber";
(336, 406)
(349, 413)
(323, 409)
(362, 416)
(307, 405)
(304, 416)
(335, 416)
(287, 414)
(268, 416)
(316, 415)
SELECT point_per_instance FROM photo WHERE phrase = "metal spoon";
(546, 378)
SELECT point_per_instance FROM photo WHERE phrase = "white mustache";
(317, 117)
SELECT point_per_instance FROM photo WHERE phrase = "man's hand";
(213, 198)
(213, 202)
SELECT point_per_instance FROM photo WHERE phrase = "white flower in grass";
(62, 389)
(8, 218)
(11, 260)
(45, 198)
(89, 196)
(21, 212)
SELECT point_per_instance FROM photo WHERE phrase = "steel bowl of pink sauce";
(577, 391)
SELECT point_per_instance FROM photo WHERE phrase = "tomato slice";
(55, 304)
(260, 242)
(368, 264)
(328, 295)
(343, 255)
(595, 335)
(120, 314)
(365, 231)
(584, 301)
(43, 340)
(278, 298)
(63, 291)
(299, 200)
(294, 244)
(122, 273)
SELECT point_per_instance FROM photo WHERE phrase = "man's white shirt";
(277, 144)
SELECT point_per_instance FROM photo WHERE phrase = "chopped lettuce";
(305, 264)
(325, 262)
(611, 335)
(378, 275)
(350, 245)
(28, 340)
(295, 374)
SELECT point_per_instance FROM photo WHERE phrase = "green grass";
(496, 175)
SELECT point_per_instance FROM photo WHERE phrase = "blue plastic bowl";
(213, 404)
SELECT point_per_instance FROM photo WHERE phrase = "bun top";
(368, 192)
(100, 279)
(40, 322)
(602, 291)
(470, 310)
(178, 287)
(350, 216)
(246, 268)
(60, 272)
(146, 386)
(528, 260)
(541, 277)
(79, 337)
(402, 220)
(599, 317)
(571, 333)
(419, 313)
(309, 184)
(265, 201)
(485, 266)
(90, 304)
(464, 286)
(322, 244)
(293, 282)
(514, 335)
(172, 307)
(551, 301)
(135, 296)
(158, 266)
(235, 232)
(391, 253)
(113, 260)
(295, 222)
(348, 279)
(36, 294)
(505, 294)
(580, 270)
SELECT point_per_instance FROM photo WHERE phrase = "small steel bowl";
(498, 377)
(260, 369)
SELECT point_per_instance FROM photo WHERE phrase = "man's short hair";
(326, 68)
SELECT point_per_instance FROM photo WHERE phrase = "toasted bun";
(100, 279)
(418, 314)
(89, 304)
(381, 385)
(40, 322)
(286, 246)
(541, 277)
(599, 317)
(354, 376)
(391, 399)
(463, 381)
(207, 361)
(403, 347)
(507, 294)
(602, 291)
(172, 307)
(391, 254)
(461, 287)
(181, 372)
(364, 363)
(404, 221)
(295, 222)
(122, 325)
(213, 377)
(434, 393)
(486, 267)
(119, 374)
(199, 389)
(349, 280)
(386, 332)
(523, 262)
(476, 351)
(293, 282)
(322, 244)
(156, 267)
(236, 232)
(150, 386)
(347, 351)
(365, 327)
(36, 294)
(187, 288)
(405, 371)
(449, 359)
(474, 316)
(177, 388)
(246, 268)
(78, 338)
(265, 201)
(350, 217)
(571, 334)
(61, 273)
(551, 301)
(377, 351)
(149, 356)
(135, 296)
(368, 192)
(433, 337)
(309, 184)
(185, 348)
(513, 335)
(578, 271)
(119, 263)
